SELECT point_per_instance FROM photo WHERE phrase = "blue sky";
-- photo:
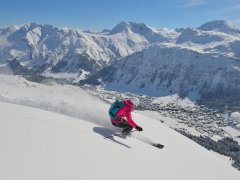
(100, 14)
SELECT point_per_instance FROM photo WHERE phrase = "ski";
(141, 138)
(147, 140)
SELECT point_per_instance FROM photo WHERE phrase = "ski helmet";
(135, 101)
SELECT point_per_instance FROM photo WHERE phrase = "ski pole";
(116, 135)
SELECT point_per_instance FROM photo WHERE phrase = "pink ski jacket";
(125, 111)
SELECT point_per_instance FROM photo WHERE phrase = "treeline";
(226, 146)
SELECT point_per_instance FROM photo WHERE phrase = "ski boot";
(126, 131)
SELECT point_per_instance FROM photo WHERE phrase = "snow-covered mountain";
(141, 31)
(39, 144)
(45, 48)
(200, 61)
(221, 26)
(162, 69)
(203, 62)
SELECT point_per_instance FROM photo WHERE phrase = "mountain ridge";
(53, 51)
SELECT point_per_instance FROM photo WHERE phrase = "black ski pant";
(124, 124)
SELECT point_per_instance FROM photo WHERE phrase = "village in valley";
(205, 121)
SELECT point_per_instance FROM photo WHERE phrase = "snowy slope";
(37, 144)
(64, 99)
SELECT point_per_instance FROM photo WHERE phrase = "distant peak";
(13, 28)
(216, 24)
(126, 26)
(121, 27)
(123, 23)
(30, 25)
(220, 26)
(139, 26)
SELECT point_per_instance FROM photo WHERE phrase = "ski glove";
(139, 128)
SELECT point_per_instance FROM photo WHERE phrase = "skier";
(121, 109)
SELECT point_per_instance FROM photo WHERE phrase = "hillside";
(37, 144)
(163, 69)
